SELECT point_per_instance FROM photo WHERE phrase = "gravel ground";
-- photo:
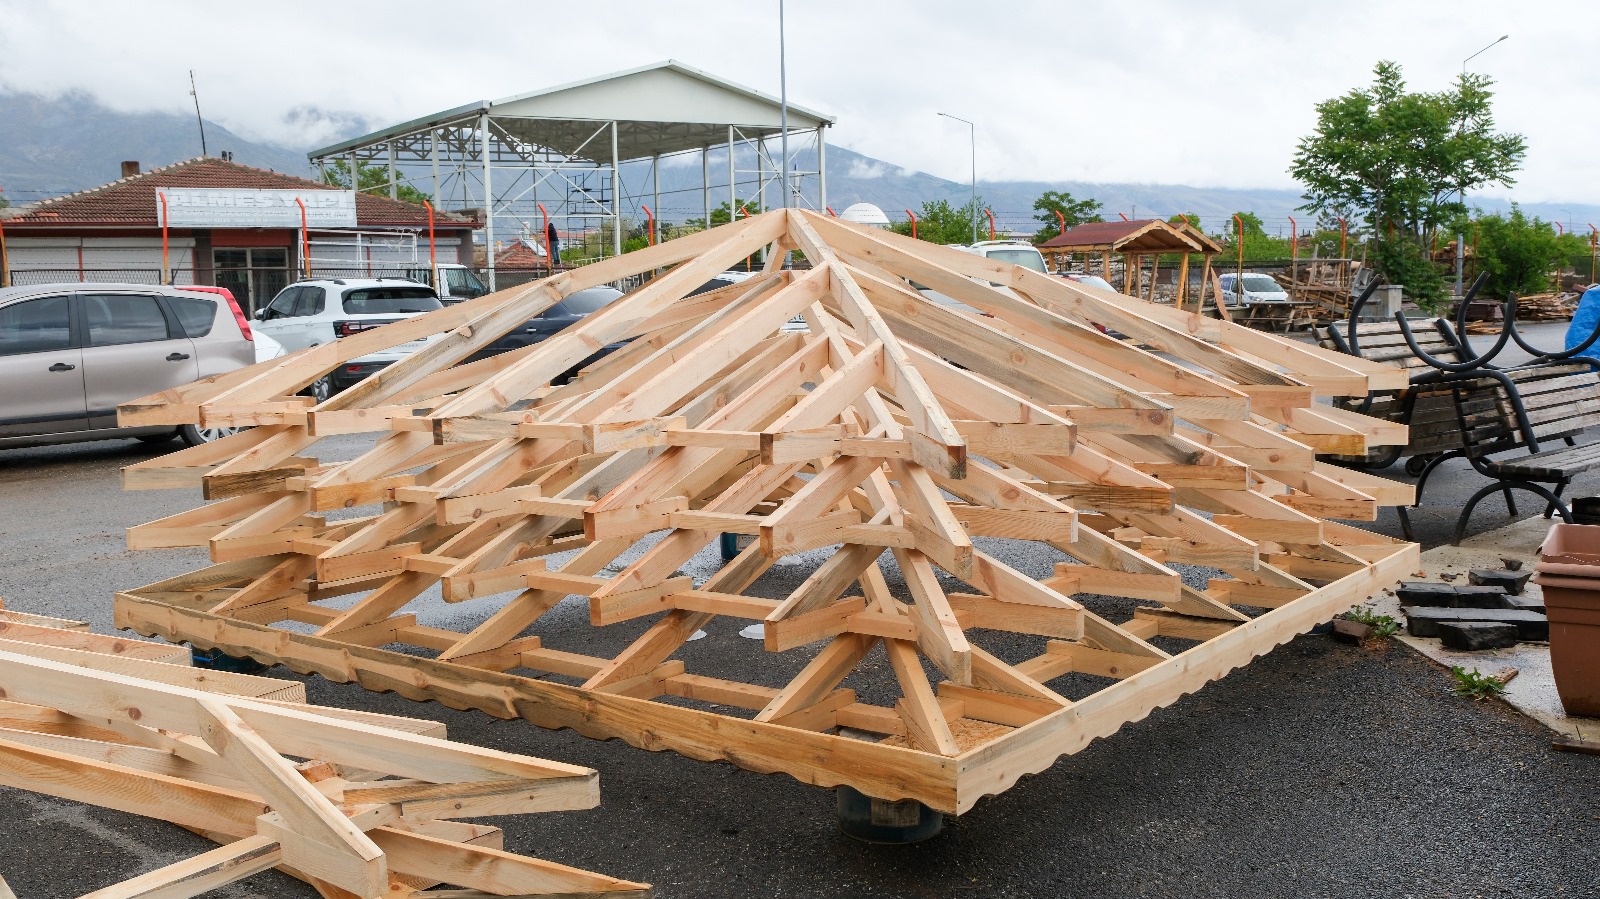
(1365, 779)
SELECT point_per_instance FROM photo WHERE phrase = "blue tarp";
(1584, 322)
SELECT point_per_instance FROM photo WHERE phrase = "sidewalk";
(1533, 691)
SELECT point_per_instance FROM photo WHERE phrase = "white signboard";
(204, 207)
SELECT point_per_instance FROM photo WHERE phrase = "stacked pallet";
(890, 428)
(1544, 307)
(354, 803)
(1333, 302)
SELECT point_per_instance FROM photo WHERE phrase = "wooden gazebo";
(1135, 240)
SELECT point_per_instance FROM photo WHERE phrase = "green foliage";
(1382, 625)
(1259, 246)
(1406, 158)
(1404, 262)
(374, 180)
(721, 215)
(939, 222)
(1521, 254)
(1073, 211)
(1253, 226)
(1475, 684)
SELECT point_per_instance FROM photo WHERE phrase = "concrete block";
(1511, 582)
(1449, 596)
(1423, 621)
(1472, 636)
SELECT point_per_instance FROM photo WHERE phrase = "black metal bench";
(1561, 409)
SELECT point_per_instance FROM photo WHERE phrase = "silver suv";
(313, 312)
(70, 353)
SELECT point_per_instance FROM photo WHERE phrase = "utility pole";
(193, 92)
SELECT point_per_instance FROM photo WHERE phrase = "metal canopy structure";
(559, 153)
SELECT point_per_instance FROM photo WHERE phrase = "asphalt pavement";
(1319, 770)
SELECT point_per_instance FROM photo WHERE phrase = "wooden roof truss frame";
(354, 803)
(891, 425)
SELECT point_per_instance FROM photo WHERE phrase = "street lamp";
(783, 91)
(1469, 59)
(1461, 238)
(973, 129)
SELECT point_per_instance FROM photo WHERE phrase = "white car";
(1015, 252)
(1258, 288)
(314, 312)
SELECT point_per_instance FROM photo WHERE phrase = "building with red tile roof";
(113, 233)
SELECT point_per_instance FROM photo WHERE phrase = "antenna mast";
(196, 95)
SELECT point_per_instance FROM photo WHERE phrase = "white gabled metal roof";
(666, 107)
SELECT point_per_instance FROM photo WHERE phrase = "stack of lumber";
(354, 803)
(1545, 307)
(1332, 301)
(892, 428)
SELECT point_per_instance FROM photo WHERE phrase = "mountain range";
(55, 145)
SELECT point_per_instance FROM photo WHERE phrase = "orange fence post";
(913, 223)
(990, 214)
(831, 212)
(1294, 254)
(305, 236)
(433, 256)
(1238, 287)
(165, 267)
(5, 261)
(1063, 220)
(650, 223)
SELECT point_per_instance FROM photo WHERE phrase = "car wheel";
(321, 389)
(194, 435)
(158, 439)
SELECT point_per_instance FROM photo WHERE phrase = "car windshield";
(1025, 257)
(389, 300)
(586, 301)
(1261, 284)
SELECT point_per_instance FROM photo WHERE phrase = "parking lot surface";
(1319, 770)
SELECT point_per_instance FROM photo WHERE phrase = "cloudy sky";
(1159, 92)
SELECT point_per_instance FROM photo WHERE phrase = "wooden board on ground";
(886, 426)
(354, 803)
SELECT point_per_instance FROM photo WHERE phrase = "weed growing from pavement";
(1382, 625)
(1475, 684)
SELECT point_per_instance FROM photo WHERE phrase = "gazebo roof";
(1136, 236)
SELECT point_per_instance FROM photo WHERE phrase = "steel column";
(488, 200)
(822, 168)
(616, 195)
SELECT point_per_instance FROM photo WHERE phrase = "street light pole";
(1462, 238)
(973, 133)
(783, 91)
(1470, 58)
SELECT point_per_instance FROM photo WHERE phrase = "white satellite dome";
(865, 214)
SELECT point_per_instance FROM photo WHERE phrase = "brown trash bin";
(1569, 574)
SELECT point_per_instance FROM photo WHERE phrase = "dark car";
(553, 321)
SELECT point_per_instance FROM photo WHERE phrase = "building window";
(253, 274)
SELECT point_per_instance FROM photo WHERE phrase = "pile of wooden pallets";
(1546, 307)
(354, 803)
(1333, 301)
(888, 427)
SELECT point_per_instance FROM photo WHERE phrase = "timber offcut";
(834, 416)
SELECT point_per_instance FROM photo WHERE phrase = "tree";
(1406, 159)
(1073, 211)
(721, 215)
(1520, 254)
(374, 179)
(939, 222)
(1253, 226)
